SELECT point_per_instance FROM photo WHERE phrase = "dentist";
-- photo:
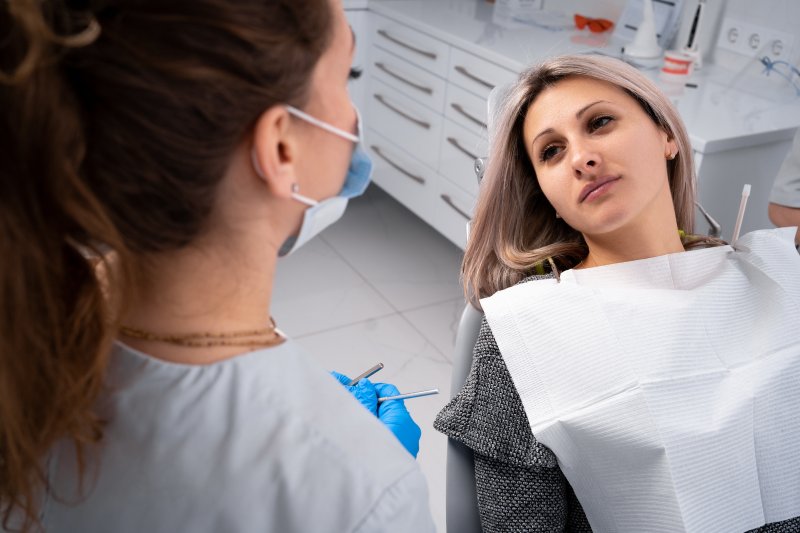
(159, 159)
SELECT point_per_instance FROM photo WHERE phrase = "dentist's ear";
(273, 153)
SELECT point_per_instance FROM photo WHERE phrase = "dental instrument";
(692, 47)
(740, 216)
(365, 375)
(714, 229)
(409, 395)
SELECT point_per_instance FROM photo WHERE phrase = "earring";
(557, 215)
(672, 156)
(295, 187)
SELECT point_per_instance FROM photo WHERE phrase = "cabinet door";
(453, 210)
(423, 50)
(466, 109)
(416, 83)
(460, 148)
(407, 180)
(476, 74)
(410, 125)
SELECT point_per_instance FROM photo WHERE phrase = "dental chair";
(461, 496)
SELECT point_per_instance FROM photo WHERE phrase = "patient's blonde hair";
(514, 228)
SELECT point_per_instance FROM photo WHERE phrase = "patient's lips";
(597, 188)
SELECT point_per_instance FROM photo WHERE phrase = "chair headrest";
(495, 102)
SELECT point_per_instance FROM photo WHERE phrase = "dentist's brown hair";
(118, 119)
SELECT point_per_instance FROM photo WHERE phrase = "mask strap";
(320, 124)
(302, 199)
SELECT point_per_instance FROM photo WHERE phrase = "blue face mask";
(322, 214)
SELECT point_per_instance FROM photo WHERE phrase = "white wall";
(782, 15)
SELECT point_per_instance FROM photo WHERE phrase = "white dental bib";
(668, 388)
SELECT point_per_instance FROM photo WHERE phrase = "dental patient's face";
(599, 158)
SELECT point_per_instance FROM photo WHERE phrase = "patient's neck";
(653, 233)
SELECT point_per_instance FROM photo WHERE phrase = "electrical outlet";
(752, 40)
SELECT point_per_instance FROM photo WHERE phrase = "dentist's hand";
(364, 391)
(392, 413)
(395, 416)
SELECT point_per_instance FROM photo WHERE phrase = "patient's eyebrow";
(578, 115)
(582, 110)
(543, 132)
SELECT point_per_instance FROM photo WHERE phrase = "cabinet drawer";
(453, 209)
(407, 180)
(476, 74)
(460, 148)
(408, 78)
(466, 109)
(412, 126)
(422, 50)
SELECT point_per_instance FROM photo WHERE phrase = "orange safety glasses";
(595, 25)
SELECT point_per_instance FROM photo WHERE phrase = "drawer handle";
(416, 121)
(449, 201)
(473, 77)
(397, 167)
(395, 40)
(474, 119)
(426, 90)
(457, 145)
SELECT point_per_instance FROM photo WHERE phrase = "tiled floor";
(380, 285)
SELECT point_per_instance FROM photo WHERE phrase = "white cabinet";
(409, 181)
(460, 148)
(412, 45)
(419, 84)
(476, 74)
(426, 104)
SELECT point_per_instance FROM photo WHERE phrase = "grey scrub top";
(266, 441)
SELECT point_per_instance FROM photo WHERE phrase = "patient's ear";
(273, 152)
(671, 149)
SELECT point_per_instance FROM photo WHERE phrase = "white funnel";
(645, 44)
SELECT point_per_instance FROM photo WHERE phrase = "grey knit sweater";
(520, 487)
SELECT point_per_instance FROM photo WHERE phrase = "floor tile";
(403, 258)
(438, 323)
(352, 349)
(315, 290)
(422, 374)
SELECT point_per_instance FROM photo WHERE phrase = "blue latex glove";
(396, 417)
(364, 391)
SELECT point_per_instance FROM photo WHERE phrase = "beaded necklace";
(268, 336)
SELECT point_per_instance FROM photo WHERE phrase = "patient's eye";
(598, 122)
(549, 151)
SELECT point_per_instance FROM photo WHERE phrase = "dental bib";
(668, 388)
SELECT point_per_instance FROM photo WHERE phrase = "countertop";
(726, 111)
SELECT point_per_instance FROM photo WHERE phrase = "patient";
(590, 167)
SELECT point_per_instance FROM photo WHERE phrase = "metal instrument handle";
(406, 116)
(384, 33)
